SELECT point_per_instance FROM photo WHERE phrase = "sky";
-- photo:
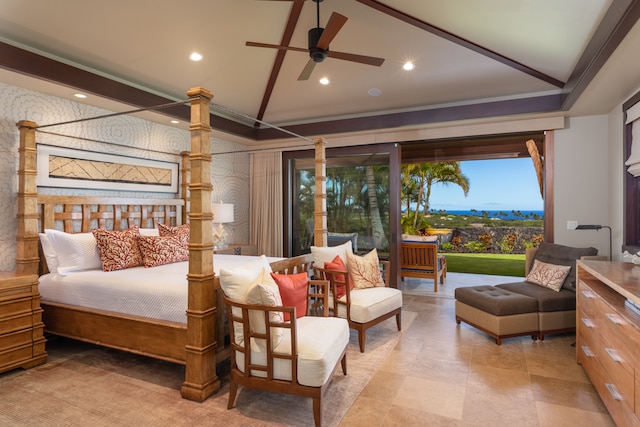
(505, 184)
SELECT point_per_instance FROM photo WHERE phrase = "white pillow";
(237, 282)
(49, 253)
(322, 254)
(417, 238)
(75, 252)
(265, 292)
(149, 231)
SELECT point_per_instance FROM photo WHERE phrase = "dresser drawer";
(16, 323)
(587, 345)
(618, 363)
(587, 299)
(621, 410)
(16, 339)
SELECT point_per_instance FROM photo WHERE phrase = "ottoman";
(497, 312)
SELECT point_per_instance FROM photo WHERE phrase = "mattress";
(157, 292)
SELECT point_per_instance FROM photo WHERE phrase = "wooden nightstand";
(237, 249)
(22, 343)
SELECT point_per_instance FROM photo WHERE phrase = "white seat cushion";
(321, 341)
(370, 303)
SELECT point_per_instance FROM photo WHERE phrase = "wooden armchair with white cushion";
(275, 345)
(360, 290)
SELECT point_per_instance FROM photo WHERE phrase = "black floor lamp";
(597, 227)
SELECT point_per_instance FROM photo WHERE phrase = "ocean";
(508, 215)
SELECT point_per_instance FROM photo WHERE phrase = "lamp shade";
(222, 212)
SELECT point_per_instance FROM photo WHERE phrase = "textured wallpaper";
(120, 135)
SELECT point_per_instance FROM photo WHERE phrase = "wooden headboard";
(81, 214)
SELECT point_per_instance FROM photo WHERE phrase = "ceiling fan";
(319, 40)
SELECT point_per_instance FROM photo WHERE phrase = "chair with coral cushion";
(277, 347)
(364, 297)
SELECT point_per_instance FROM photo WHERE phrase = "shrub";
(507, 243)
(446, 247)
(475, 246)
(486, 240)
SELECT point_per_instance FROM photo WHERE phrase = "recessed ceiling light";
(175, 122)
(374, 92)
(195, 56)
(324, 81)
(408, 66)
(80, 95)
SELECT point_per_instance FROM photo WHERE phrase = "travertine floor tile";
(430, 396)
(551, 415)
(567, 393)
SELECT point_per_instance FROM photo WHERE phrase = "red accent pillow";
(118, 249)
(338, 265)
(293, 291)
(179, 230)
(159, 250)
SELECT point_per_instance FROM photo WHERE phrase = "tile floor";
(443, 374)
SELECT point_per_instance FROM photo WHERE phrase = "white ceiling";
(146, 43)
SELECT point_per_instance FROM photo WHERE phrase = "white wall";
(582, 181)
(129, 136)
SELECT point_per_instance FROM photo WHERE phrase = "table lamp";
(222, 214)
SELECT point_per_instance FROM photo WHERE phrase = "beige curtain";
(265, 205)
(633, 162)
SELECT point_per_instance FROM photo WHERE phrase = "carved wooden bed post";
(200, 378)
(320, 198)
(27, 233)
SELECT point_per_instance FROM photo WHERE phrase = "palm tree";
(417, 180)
(444, 173)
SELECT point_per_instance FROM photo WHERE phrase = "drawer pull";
(614, 319)
(614, 355)
(587, 294)
(587, 322)
(614, 391)
(587, 351)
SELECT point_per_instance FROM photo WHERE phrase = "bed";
(198, 343)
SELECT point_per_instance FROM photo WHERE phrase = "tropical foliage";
(417, 182)
(357, 201)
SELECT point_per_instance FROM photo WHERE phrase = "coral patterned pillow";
(338, 265)
(118, 249)
(180, 230)
(365, 270)
(293, 291)
(159, 250)
(548, 275)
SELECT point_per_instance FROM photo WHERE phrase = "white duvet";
(157, 292)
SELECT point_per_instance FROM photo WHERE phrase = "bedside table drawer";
(16, 339)
(16, 306)
(15, 323)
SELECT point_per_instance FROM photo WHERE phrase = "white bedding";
(157, 292)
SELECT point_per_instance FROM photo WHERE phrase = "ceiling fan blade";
(336, 22)
(276, 46)
(362, 59)
(308, 69)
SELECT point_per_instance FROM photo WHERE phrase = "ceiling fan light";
(408, 66)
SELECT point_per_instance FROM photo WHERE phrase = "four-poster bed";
(199, 342)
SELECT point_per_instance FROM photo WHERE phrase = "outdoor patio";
(424, 287)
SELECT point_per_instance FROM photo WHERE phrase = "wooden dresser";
(608, 335)
(22, 343)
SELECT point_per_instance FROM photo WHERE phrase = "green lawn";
(496, 264)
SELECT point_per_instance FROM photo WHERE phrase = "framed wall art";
(73, 168)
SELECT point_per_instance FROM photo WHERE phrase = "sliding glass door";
(362, 199)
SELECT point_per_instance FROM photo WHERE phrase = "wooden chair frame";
(421, 260)
(317, 291)
(336, 277)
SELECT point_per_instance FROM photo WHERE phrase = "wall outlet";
(571, 225)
